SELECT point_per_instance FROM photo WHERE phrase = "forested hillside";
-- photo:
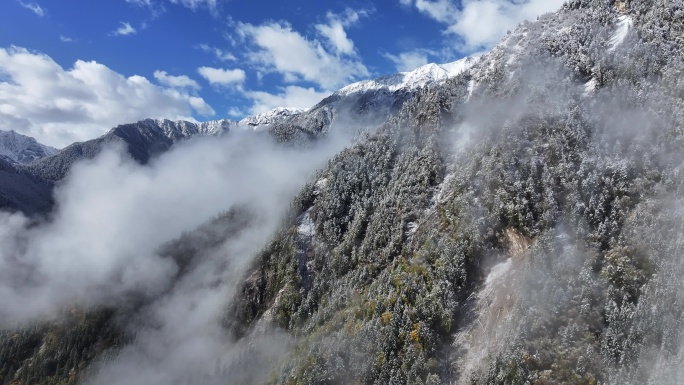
(519, 223)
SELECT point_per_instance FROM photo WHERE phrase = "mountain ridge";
(22, 149)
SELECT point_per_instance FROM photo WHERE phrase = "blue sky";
(72, 69)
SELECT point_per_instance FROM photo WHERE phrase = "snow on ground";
(471, 88)
(590, 87)
(420, 77)
(306, 227)
(624, 24)
(461, 65)
(320, 185)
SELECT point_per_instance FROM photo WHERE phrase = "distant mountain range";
(35, 168)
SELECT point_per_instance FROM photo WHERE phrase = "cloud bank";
(60, 106)
(114, 213)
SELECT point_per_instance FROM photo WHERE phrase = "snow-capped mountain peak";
(22, 149)
(269, 117)
(420, 77)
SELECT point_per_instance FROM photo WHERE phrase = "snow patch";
(590, 87)
(624, 24)
(320, 185)
(471, 88)
(306, 227)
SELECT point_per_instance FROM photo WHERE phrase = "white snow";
(269, 117)
(320, 185)
(590, 87)
(22, 149)
(306, 227)
(180, 130)
(471, 88)
(420, 77)
(459, 66)
(624, 24)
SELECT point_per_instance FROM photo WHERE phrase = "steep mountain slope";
(22, 149)
(22, 191)
(518, 223)
(515, 164)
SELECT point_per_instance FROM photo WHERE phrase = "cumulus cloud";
(59, 106)
(408, 61)
(124, 30)
(290, 96)
(334, 31)
(33, 7)
(222, 77)
(181, 81)
(280, 49)
(481, 23)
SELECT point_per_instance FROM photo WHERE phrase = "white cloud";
(236, 113)
(199, 105)
(222, 77)
(181, 81)
(278, 48)
(481, 23)
(124, 30)
(408, 61)
(211, 5)
(441, 10)
(155, 7)
(33, 7)
(337, 36)
(65, 39)
(335, 32)
(57, 106)
(219, 53)
(291, 96)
